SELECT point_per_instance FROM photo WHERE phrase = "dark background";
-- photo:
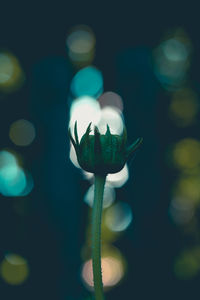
(51, 233)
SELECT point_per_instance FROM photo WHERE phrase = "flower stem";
(96, 236)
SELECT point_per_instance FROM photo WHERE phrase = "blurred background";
(112, 63)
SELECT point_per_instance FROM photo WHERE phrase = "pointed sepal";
(108, 134)
(85, 137)
(71, 139)
(124, 139)
(76, 133)
(132, 148)
(88, 130)
(97, 142)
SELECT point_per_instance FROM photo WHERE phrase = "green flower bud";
(102, 153)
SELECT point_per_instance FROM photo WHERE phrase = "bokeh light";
(186, 154)
(73, 157)
(174, 50)
(118, 179)
(109, 196)
(84, 110)
(87, 82)
(112, 117)
(118, 217)
(81, 45)
(172, 59)
(187, 265)
(108, 235)
(22, 132)
(113, 268)
(111, 99)
(181, 210)
(88, 176)
(11, 74)
(188, 187)
(13, 181)
(7, 158)
(14, 269)
(184, 107)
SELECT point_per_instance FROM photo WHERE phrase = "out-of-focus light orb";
(87, 82)
(108, 236)
(119, 216)
(8, 169)
(187, 265)
(112, 117)
(14, 269)
(81, 45)
(111, 99)
(172, 60)
(84, 110)
(118, 179)
(7, 158)
(113, 270)
(11, 74)
(184, 107)
(186, 154)
(22, 132)
(73, 157)
(171, 73)
(174, 50)
(181, 210)
(188, 187)
(12, 181)
(108, 197)
(6, 68)
(88, 176)
(12, 177)
(81, 40)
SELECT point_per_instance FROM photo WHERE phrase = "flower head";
(102, 153)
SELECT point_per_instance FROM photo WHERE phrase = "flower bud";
(102, 153)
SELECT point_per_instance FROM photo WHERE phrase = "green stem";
(96, 236)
